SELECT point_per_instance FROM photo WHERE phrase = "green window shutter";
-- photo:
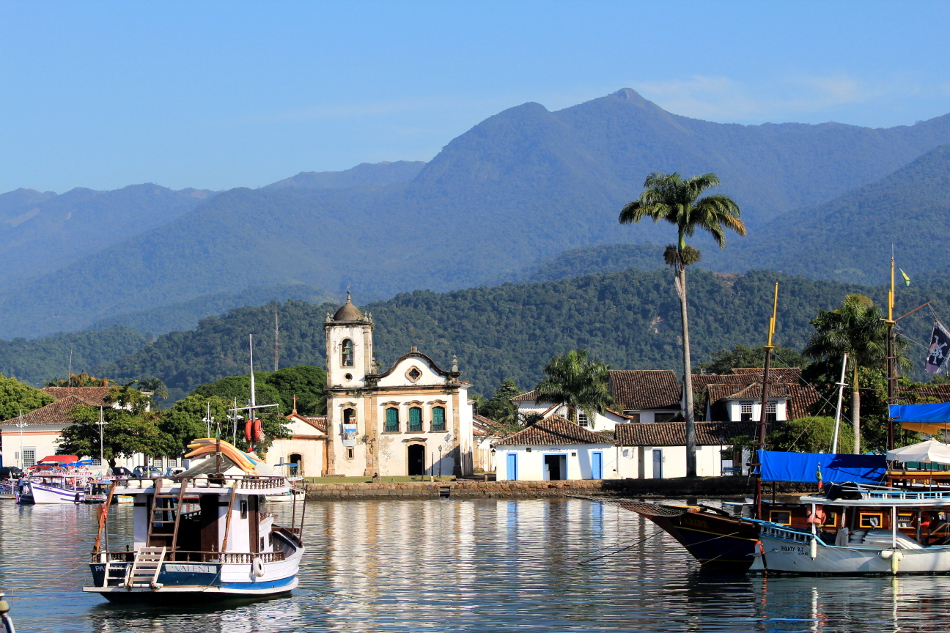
(415, 419)
(392, 420)
(438, 418)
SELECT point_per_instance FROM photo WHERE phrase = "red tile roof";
(939, 393)
(52, 414)
(94, 396)
(674, 433)
(639, 389)
(317, 422)
(528, 396)
(482, 425)
(554, 431)
(746, 384)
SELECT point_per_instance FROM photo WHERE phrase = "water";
(446, 565)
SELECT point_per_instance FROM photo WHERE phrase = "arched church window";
(349, 416)
(392, 420)
(438, 418)
(415, 419)
(347, 353)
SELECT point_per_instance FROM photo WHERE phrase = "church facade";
(411, 419)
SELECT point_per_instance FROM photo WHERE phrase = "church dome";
(348, 312)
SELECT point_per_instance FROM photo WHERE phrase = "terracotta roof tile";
(54, 413)
(94, 396)
(528, 396)
(555, 431)
(746, 383)
(674, 433)
(940, 393)
(639, 389)
(482, 425)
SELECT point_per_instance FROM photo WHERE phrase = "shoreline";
(471, 489)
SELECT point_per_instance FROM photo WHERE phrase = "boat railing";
(885, 493)
(246, 482)
(787, 533)
(183, 556)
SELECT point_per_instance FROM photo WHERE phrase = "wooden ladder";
(158, 516)
(110, 574)
(145, 568)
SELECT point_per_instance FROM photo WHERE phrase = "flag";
(906, 278)
(939, 348)
(818, 477)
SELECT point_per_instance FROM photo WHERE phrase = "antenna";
(251, 338)
(276, 339)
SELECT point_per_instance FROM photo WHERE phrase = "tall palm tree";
(577, 381)
(669, 198)
(857, 329)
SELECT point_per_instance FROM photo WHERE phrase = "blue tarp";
(835, 468)
(929, 413)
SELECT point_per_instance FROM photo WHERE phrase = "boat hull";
(716, 541)
(785, 552)
(41, 494)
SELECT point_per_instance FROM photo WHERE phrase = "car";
(121, 471)
(10, 472)
(141, 472)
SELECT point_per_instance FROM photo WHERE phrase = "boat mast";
(891, 364)
(765, 398)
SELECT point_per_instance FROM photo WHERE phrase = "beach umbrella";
(931, 451)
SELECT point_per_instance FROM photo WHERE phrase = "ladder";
(158, 514)
(119, 572)
(145, 568)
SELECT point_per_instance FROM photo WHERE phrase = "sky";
(217, 95)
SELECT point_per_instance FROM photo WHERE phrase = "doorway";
(658, 463)
(417, 459)
(296, 465)
(555, 467)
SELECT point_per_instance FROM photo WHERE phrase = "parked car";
(141, 472)
(10, 472)
(121, 471)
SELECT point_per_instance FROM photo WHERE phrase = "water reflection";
(446, 565)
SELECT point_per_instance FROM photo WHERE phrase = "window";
(96, 461)
(29, 457)
(664, 416)
(782, 517)
(634, 415)
(349, 416)
(745, 412)
(770, 411)
(870, 520)
(415, 419)
(438, 418)
(582, 419)
(349, 452)
(347, 353)
(392, 420)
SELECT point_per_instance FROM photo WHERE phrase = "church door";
(417, 459)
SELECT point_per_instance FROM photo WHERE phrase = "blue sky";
(226, 94)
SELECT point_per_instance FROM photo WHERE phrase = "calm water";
(444, 565)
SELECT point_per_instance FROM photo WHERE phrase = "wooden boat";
(292, 495)
(204, 534)
(862, 530)
(53, 485)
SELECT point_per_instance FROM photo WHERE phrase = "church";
(411, 419)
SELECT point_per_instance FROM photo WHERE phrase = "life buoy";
(258, 567)
(248, 430)
(253, 431)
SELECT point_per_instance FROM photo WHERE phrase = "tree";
(809, 435)
(129, 429)
(670, 198)
(80, 380)
(155, 387)
(185, 422)
(577, 381)
(726, 360)
(16, 397)
(501, 410)
(856, 329)
(307, 384)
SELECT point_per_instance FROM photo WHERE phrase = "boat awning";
(59, 459)
(931, 419)
(835, 468)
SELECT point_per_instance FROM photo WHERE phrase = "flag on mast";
(939, 348)
(906, 278)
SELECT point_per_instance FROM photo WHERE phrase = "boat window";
(782, 517)
(347, 353)
(870, 520)
(905, 520)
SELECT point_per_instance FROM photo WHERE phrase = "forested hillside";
(628, 319)
(363, 175)
(516, 189)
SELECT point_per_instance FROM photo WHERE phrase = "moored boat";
(204, 534)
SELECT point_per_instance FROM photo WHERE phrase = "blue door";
(658, 463)
(597, 465)
(512, 473)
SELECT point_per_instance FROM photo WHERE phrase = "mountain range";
(502, 202)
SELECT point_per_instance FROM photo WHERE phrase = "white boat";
(862, 530)
(55, 485)
(293, 495)
(204, 534)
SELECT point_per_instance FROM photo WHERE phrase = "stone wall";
(468, 489)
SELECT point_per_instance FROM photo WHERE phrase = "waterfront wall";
(468, 489)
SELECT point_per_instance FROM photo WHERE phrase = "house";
(658, 451)
(39, 434)
(414, 418)
(737, 396)
(555, 449)
(652, 395)
(483, 457)
(305, 453)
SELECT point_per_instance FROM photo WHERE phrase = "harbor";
(454, 565)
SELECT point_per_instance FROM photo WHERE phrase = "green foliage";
(238, 389)
(501, 409)
(578, 381)
(307, 384)
(809, 435)
(128, 430)
(16, 398)
(185, 422)
(81, 379)
(726, 360)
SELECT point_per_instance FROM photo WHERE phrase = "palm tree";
(668, 197)
(578, 381)
(154, 386)
(857, 329)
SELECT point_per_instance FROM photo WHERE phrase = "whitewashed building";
(658, 451)
(304, 453)
(412, 419)
(555, 449)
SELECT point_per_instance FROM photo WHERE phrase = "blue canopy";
(835, 468)
(938, 413)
